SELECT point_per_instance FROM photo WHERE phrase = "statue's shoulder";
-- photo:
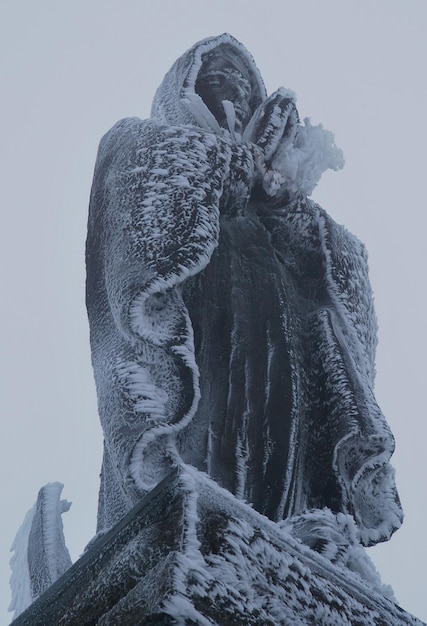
(129, 130)
(132, 134)
(124, 144)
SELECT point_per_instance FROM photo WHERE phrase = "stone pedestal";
(191, 553)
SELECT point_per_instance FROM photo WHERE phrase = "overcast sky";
(69, 71)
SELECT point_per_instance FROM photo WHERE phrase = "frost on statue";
(231, 319)
(232, 324)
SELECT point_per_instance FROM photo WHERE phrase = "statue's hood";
(176, 101)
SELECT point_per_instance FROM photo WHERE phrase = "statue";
(231, 319)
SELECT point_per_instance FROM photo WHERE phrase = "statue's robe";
(229, 329)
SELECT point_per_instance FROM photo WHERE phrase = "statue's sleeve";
(329, 272)
(365, 443)
(154, 216)
(348, 284)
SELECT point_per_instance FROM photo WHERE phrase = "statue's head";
(224, 77)
(214, 70)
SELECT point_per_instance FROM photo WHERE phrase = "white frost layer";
(257, 581)
(50, 545)
(302, 163)
(20, 578)
(336, 537)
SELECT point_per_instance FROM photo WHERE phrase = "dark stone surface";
(191, 553)
(111, 568)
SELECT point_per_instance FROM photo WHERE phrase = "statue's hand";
(272, 131)
(274, 122)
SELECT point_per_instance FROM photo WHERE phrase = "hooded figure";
(231, 320)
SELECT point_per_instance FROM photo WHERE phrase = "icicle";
(200, 111)
(230, 114)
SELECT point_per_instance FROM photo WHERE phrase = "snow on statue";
(232, 325)
(231, 320)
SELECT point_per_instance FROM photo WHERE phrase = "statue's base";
(191, 553)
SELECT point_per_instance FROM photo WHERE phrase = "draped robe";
(230, 329)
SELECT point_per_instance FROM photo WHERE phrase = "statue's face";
(221, 80)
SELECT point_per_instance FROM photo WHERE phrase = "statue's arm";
(154, 216)
(331, 273)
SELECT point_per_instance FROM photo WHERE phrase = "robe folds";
(231, 329)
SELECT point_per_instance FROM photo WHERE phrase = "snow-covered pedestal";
(191, 553)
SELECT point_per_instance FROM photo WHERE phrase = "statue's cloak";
(229, 329)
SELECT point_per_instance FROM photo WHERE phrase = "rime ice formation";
(191, 553)
(232, 330)
(231, 319)
(40, 555)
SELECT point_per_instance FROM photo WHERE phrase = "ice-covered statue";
(231, 319)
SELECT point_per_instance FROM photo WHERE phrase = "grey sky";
(69, 70)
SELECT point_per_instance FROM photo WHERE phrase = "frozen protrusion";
(40, 554)
(303, 161)
(337, 538)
